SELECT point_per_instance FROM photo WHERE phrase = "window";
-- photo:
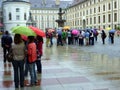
(90, 11)
(94, 20)
(103, 7)
(17, 10)
(109, 6)
(109, 17)
(94, 10)
(115, 4)
(99, 9)
(90, 20)
(98, 19)
(115, 17)
(86, 12)
(10, 16)
(87, 21)
(103, 18)
(25, 18)
(17, 17)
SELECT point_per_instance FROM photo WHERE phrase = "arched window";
(10, 16)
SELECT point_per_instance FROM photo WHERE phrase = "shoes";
(22, 86)
(16, 86)
(30, 85)
(38, 72)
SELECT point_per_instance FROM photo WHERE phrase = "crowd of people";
(26, 54)
(83, 37)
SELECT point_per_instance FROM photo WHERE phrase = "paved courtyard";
(73, 68)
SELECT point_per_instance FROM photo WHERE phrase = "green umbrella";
(23, 30)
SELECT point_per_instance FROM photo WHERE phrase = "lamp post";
(30, 21)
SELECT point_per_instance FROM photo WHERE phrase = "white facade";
(15, 13)
(94, 14)
(45, 18)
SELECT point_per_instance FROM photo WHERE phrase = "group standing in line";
(83, 37)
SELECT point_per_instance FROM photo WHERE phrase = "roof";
(47, 4)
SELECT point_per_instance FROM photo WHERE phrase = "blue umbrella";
(112, 31)
(59, 32)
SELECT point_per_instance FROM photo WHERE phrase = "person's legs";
(4, 54)
(26, 68)
(39, 65)
(16, 77)
(32, 73)
(21, 65)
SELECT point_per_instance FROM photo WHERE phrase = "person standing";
(18, 49)
(111, 36)
(69, 37)
(32, 57)
(39, 53)
(6, 41)
(103, 36)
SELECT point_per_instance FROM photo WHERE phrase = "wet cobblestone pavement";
(73, 67)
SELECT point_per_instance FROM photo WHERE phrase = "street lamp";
(30, 21)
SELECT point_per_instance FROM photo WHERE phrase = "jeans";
(26, 67)
(18, 67)
(32, 73)
(39, 65)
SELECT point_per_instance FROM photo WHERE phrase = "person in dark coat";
(103, 36)
(6, 41)
(111, 36)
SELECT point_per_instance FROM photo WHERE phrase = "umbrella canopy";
(38, 31)
(108, 28)
(112, 31)
(59, 31)
(25, 38)
(66, 27)
(23, 30)
(75, 31)
(51, 30)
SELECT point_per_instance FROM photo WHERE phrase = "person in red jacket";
(32, 57)
(39, 44)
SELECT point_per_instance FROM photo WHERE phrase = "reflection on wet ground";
(73, 68)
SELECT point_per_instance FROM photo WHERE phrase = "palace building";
(79, 14)
(93, 14)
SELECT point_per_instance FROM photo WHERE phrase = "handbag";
(9, 56)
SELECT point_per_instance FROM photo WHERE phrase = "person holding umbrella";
(111, 35)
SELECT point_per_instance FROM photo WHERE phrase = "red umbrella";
(38, 31)
(24, 37)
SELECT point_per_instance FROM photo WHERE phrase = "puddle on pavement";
(101, 64)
